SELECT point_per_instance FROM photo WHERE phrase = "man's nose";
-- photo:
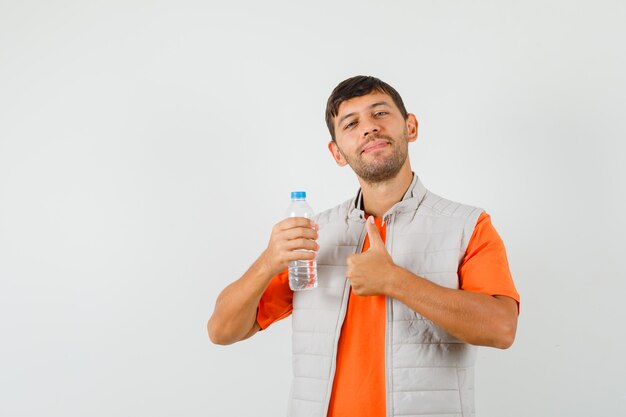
(370, 127)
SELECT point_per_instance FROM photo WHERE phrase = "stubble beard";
(381, 169)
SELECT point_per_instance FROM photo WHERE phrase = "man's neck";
(378, 198)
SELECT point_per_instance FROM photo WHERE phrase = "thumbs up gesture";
(370, 272)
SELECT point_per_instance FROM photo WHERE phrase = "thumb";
(372, 232)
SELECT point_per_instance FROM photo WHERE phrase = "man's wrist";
(263, 270)
(393, 283)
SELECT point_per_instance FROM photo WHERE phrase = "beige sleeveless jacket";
(428, 371)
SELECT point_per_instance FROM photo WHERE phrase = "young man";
(409, 282)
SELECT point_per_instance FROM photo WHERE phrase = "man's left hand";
(370, 272)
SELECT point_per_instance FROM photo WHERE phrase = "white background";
(147, 147)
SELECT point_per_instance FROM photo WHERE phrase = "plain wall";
(147, 148)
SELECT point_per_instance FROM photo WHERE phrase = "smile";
(375, 145)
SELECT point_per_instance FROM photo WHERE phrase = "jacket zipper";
(342, 316)
(388, 219)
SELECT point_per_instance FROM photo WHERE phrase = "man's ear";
(336, 153)
(411, 127)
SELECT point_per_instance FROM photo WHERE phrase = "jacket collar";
(410, 201)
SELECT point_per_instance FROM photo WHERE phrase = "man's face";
(372, 137)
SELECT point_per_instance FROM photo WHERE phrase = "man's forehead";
(357, 103)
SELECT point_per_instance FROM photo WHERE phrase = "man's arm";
(475, 318)
(234, 317)
(478, 319)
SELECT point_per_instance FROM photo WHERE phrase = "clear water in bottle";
(302, 274)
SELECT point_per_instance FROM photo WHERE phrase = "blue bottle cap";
(298, 195)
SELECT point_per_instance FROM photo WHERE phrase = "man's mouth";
(375, 145)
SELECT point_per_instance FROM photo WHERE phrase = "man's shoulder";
(437, 205)
(463, 216)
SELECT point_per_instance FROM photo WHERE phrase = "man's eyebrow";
(379, 103)
(371, 106)
(345, 117)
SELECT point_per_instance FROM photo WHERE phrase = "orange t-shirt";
(359, 384)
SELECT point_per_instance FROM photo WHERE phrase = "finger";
(372, 232)
(299, 232)
(301, 255)
(291, 222)
(301, 244)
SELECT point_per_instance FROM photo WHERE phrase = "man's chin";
(377, 176)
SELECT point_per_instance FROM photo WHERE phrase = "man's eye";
(380, 113)
(350, 125)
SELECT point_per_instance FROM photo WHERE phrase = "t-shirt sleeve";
(276, 302)
(485, 268)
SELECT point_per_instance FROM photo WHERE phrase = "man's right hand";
(292, 239)
(234, 317)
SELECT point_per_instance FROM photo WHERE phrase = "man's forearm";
(475, 318)
(234, 317)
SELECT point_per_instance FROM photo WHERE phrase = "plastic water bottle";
(302, 274)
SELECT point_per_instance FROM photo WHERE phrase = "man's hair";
(356, 87)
